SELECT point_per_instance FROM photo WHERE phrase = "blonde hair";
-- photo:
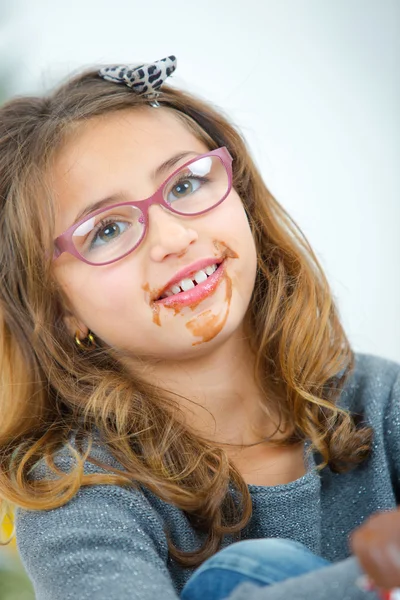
(49, 388)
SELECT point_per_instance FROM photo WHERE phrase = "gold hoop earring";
(87, 346)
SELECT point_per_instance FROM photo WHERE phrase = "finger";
(381, 562)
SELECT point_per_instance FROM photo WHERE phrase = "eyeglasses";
(107, 235)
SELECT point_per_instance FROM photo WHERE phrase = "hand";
(376, 544)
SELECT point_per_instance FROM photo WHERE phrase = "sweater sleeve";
(105, 543)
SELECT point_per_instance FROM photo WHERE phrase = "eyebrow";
(115, 198)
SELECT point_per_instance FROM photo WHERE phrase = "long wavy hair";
(50, 389)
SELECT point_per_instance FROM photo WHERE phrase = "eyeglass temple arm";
(59, 247)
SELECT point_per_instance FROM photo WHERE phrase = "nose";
(168, 233)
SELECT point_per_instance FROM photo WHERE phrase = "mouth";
(193, 288)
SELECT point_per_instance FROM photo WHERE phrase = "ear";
(74, 325)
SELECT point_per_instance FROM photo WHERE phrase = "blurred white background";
(313, 86)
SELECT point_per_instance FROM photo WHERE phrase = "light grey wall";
(313, 85)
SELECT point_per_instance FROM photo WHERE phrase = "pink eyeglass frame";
(64, 243)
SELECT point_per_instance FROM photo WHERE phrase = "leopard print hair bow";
(144, 79)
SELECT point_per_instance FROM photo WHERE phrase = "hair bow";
(144, 79)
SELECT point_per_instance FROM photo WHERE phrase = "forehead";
(139, 132)
(116, 152)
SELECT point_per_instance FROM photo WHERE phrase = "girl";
(182, 413)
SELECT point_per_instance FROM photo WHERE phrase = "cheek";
(248, 255)
(99, 294)
(235, 232)
(237, 218)
(241, 232)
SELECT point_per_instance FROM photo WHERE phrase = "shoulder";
(372, 396)
(109, 505)
(372, 386)
(100, 459)
(370, 368)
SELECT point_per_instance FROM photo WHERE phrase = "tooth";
(169, 293)
(210, 270)
(200, 276)
(186, 284)
(175, 289)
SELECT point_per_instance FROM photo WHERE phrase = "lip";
(186, 272)
(199, 292)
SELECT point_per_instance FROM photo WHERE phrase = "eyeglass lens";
(112, 233)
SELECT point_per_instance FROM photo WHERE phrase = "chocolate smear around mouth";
(222, 251)
(207, 324)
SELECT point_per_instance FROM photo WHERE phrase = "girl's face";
(118, 154)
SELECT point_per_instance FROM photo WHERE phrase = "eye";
(107, 231)
(185, 186)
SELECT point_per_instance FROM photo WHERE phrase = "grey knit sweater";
(108, 543)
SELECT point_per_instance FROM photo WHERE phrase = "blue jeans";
(261, 562)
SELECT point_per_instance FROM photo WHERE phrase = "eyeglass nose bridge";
(156, 198)
(144, 205)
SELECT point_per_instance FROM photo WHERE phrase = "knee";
(261, 561)
(276, 548)
(273, 554)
